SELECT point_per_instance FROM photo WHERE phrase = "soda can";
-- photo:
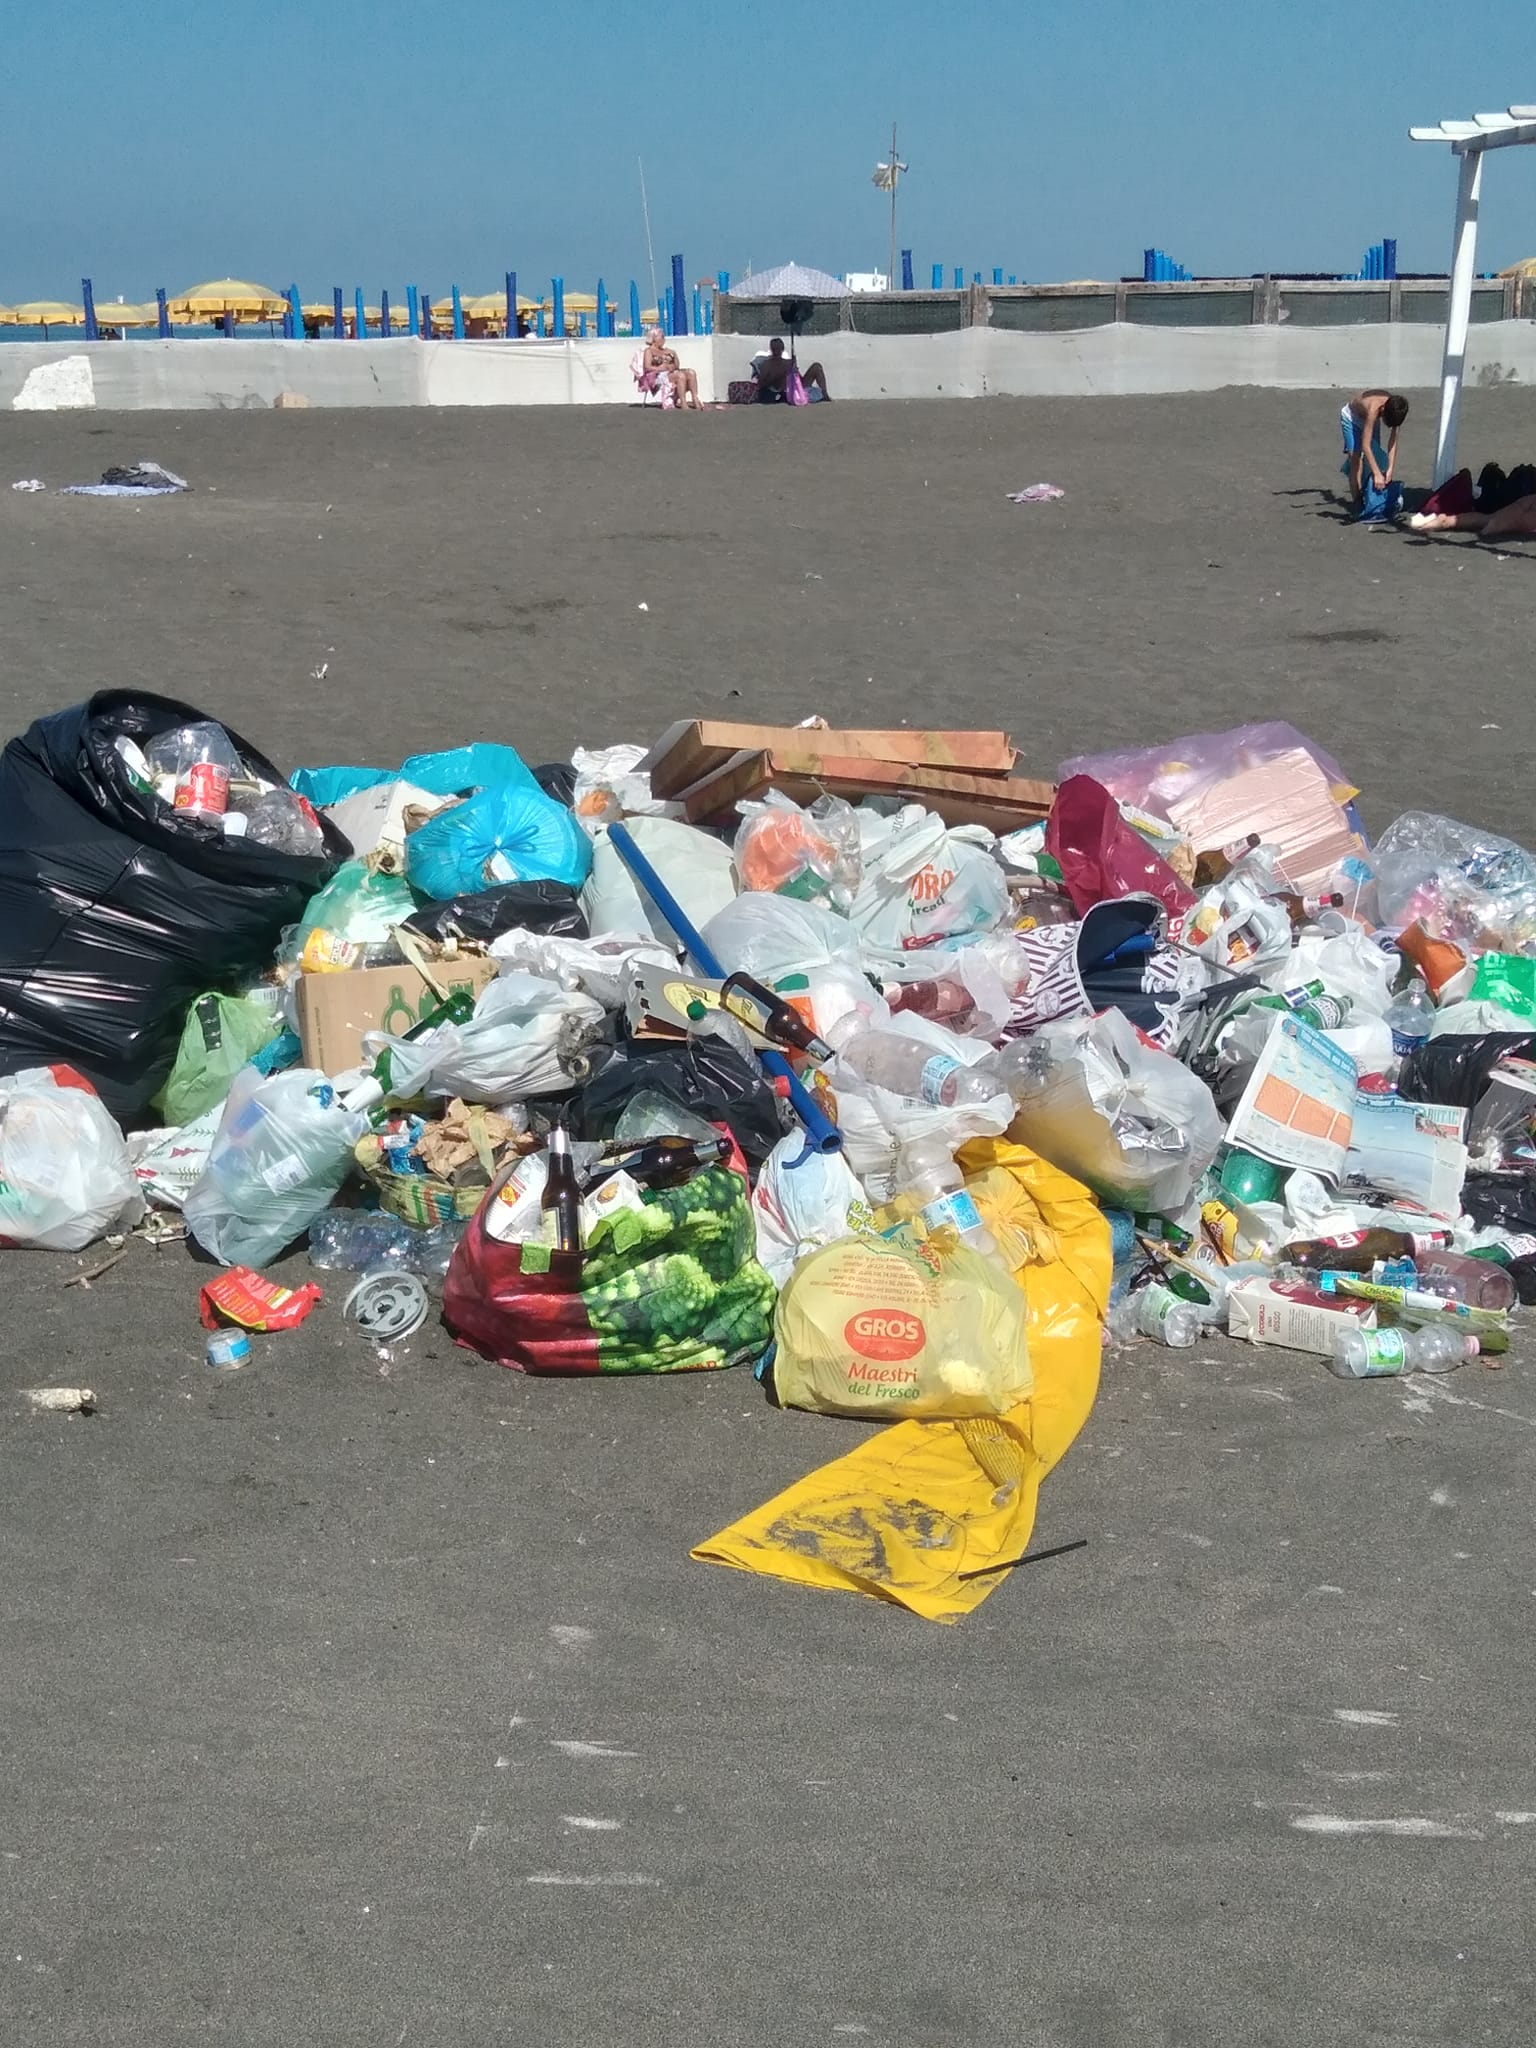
(204, 789)
(228, 1349)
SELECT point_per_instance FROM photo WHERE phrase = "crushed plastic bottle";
(929, 1179)
(1155, 1312)
(287, 823)
(363, 1240)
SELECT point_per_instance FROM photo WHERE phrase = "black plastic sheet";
(549, 907)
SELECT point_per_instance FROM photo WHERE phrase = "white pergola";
(1471, 141)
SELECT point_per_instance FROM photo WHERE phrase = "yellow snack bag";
(892, 1332)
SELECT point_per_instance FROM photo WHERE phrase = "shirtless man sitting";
(772, 374)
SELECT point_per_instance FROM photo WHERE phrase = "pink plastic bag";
(1100, 856)
(794, 388)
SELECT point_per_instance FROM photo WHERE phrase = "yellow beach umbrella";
(203, 303)
(112, 314)
(47, 313)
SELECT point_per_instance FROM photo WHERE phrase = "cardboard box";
(1000, 802)
(336, 1009)
(1293, 1314)
(694, 748)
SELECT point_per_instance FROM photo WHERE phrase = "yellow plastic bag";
(930, 1515)
(880, 1330)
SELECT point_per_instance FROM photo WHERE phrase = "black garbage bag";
(711, 1079)
(550, 907)
(115, 912)
(1455, 1069)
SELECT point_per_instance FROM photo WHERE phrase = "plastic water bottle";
(1410, 1019)
(1379, 1354)
(928, 1176)
(911, 1067)
(352, 1240)
(1155, 1312)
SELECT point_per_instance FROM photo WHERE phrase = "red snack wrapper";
(253, 1302)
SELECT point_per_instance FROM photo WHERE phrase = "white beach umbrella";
(790, 281)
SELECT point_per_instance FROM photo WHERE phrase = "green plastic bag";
(221, 1033)
(357, 907)
(1508, 979)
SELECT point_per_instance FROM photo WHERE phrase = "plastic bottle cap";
(696, 1010)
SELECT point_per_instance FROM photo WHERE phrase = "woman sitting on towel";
(661, 361)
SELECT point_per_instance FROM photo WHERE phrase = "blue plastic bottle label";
(935, 1073)
(958, 1211)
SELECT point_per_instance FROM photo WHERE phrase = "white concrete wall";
(976, 362)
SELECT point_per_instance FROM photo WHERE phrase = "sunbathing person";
(661, 360)
(1516, 521)
(772, 374)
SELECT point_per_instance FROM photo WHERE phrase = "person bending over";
(1362, 420)
(772, 374)
(659, 358)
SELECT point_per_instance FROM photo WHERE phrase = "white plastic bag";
(527, 1037)
(168, 1163)
(65, 1176)
(924, 881)
(607, 787)
(696, 868)
(597, 967)
(1349, 963)
(803, 1199)
(283, 1149)
(1128, 1121)
(804, 951)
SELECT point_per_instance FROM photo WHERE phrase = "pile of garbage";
(838, 1090)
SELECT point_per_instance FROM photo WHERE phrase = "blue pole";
(163, 318)
(1389, 256)
(1148, 266)
(603, 328)
(512, 304)
(959, 279)
(821, 1134)
(997, 273)
(557, 293)
(906, 270)
(229, 325)
(295, 312)
(698, 312)
(92, 331)
(426, 318)
(538, 321)
(679, 298)
(338, 323)
(413, 309)
(1011, 278)
(458, 314)
(581, 326)
(384, 327)
(634, 307)
(722, 282)
(664, 310)
(938, 277)
(359, 314)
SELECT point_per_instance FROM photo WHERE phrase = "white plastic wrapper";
(596, 967)
(168, 1164)
(65, 1175)
(607, 787)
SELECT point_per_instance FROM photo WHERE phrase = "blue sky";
(331, 142)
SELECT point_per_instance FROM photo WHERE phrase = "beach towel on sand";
(929, 1515)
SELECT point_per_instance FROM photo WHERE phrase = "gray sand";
(314, 1674)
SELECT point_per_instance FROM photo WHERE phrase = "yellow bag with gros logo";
(900, 1334)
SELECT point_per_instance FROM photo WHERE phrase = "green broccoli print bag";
(673, 1286)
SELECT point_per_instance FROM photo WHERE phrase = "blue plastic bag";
(508, 831)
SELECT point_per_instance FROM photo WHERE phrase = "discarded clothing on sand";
(137, 480)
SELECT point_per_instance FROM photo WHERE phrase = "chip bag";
(896, 1333)
(252, 1302)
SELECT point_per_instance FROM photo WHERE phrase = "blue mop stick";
(820, 1131)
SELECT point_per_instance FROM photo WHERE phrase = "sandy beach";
(377, 1701)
